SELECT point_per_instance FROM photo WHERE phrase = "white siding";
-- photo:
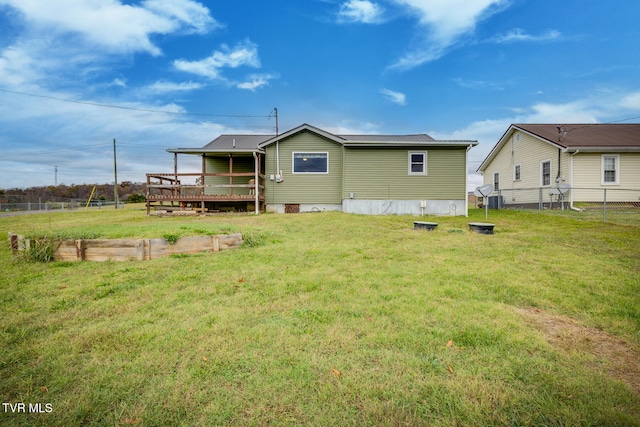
(526, 151)
(587, 177)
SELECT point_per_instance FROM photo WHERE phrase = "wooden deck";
(165, 191)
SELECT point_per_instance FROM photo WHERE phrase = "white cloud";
(192, 16)
(479, 84)
(243, 54)
(112, 25)
(363, 11)
(519, 35)
(78, 137)
(256, 81)
(631, 101)
(572, 112)
(118, 82)
(395, 97)
(444, 23)
(17, 67)
(165, 87)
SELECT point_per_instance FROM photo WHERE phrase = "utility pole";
(115, 175)
(56, 180)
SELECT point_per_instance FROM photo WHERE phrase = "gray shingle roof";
(240, 142)
(422, 137)
(249, 143)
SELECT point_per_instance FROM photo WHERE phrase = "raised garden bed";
(126, 249)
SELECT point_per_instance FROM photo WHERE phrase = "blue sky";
(158, 74)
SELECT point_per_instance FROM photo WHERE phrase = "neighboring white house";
(531, 161)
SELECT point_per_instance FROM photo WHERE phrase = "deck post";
(258, 178)
(175, 174)
(204, 167)
(148, 194)
(256, 181)
(230, 174)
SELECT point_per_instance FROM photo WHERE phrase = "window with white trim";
(545, 173)
(310, 162)
(496, 181)
(417, 162)
(610, 169)
(516, 172)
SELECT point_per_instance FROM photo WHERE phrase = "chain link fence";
(614, 205)
(71, 204)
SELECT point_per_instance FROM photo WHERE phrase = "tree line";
(127, 191)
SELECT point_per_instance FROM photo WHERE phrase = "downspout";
(257, 187)
(278, 175)
(573, 208)
(466, 173)
(558, 177)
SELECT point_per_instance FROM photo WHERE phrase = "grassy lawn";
(327, 319)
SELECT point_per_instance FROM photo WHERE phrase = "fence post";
(604, 206)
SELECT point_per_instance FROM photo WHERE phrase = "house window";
(545, 173)
(496, 181)
(310, 162)
(610, 173)
(516, 173)
(417, 163)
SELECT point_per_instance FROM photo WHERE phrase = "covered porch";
(229, 181)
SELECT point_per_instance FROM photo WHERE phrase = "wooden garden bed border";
(130, 249)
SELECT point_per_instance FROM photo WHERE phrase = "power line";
(94, 104)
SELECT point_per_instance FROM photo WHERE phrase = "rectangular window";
(610, 173)
(310, 162)
(417, 163)
(545, 173)
(516, 173)
(496, 181)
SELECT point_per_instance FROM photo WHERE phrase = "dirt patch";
(613, 354)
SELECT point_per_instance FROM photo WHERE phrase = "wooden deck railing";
(167, 187)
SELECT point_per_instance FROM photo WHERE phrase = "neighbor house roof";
(256, 143)
(576, 137)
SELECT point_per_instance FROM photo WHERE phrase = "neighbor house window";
(610, 173)
(496, 181)
(417, 163)
(545, 173)
(516, 173)
(310, 162)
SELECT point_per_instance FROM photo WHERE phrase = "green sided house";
(593, 162)
(307, 169)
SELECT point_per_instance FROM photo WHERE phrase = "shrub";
(136, 198)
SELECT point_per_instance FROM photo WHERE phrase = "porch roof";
(237, 144)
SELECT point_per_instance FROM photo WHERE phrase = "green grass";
(322, 319)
